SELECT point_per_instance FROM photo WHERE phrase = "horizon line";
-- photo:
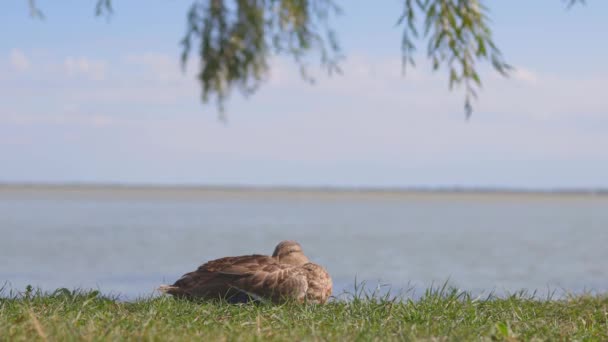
(326, 188)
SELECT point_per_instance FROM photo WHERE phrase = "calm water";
(128, 241)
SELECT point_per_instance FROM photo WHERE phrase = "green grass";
(440, 314)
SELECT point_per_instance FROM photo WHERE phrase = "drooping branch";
(35, 12)
(458, 38)
(235, 40)
(103, 6)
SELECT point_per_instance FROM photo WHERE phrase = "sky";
(87, 99)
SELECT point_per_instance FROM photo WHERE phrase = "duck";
(286, 275)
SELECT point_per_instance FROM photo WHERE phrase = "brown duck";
(286, 275)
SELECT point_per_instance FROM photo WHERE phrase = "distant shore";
(323, 191)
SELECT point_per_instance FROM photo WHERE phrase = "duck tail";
(168, 289)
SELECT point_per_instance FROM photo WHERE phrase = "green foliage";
(440, 314)
(574, 2)
(458, 35)
(103, 6)
(235, 39)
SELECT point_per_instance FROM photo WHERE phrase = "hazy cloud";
(24, 119)
(161, 67)
(18, 60)
(370, 115)
(83, 66)
(525, 75)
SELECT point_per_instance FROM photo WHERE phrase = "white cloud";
(525, 75)
(368, 84)
(162, 66)
(527, 93)
(19, 60)
(370, 113)
(360, 68)
(83, 66)
(25, 119)
(545, 96)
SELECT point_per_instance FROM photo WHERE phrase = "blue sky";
(85, 99)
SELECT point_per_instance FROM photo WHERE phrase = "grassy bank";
(441, 314)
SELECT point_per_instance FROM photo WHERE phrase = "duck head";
(290, 252)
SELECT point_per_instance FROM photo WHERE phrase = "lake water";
(128, 241)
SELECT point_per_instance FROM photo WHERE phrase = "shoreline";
(299, 191)
(305, 188)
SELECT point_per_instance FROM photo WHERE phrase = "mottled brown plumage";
(286, 275)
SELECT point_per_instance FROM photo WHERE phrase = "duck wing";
(210, 282)
(279, 282)
(269, 280)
